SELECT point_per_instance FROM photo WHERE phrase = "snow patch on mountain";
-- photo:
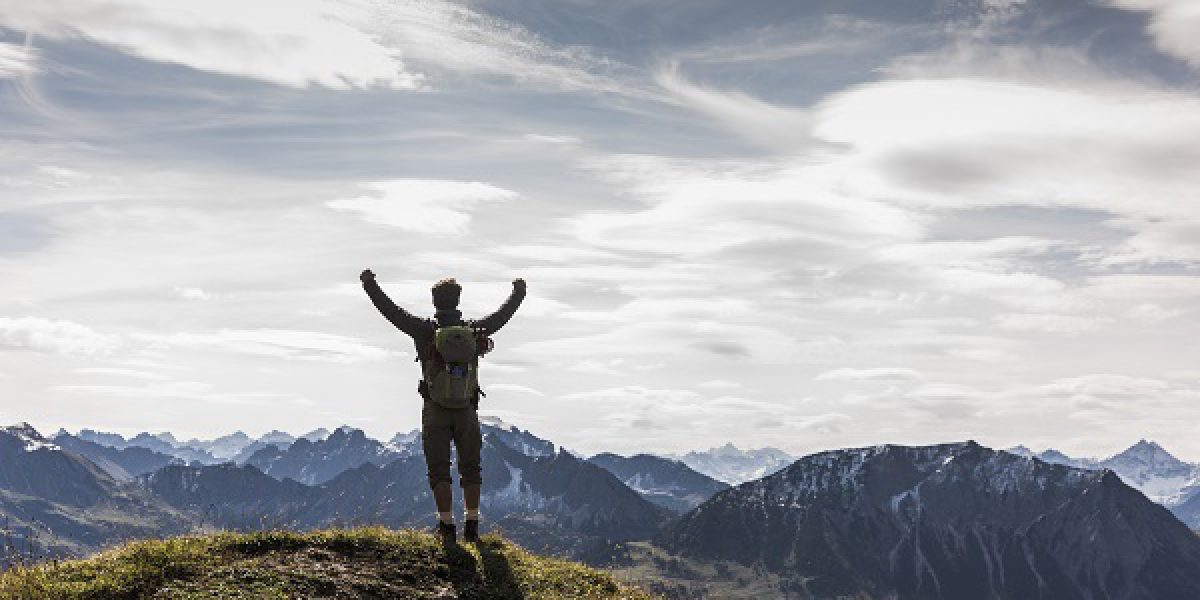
(30, 437)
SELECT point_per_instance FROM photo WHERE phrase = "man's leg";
(443, 497)
(436, 434)
(471, 498)
(469, 442)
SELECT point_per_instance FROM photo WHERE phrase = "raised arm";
(402, 319)
(496, 320)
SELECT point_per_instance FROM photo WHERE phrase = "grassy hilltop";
(356, 563)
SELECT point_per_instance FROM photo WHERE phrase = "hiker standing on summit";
(448, 349)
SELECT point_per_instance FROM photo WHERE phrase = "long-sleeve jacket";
(422, 329)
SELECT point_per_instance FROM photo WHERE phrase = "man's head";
(445, 294)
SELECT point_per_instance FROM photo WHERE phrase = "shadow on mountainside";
(498, 573)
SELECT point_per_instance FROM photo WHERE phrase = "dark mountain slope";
(668, 483)
(946, 522)
(56, 502)
(228, 495)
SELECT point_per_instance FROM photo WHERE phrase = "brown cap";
(446, 293)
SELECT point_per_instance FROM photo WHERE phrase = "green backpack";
(453, 374)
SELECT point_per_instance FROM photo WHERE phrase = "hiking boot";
(446, 532)
(471, 531)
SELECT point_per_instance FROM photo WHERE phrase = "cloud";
(297, 44)
(551, 139)
(1049, 323)
(1107, 386)
(886, 374)
(635, 395)
(719, 384)
(287, 344)
(838, 35)
(513, 388)
(1174, 24)
(192, 293)
(773, 126)
(60, 337)
(826, 423)
(174, 390)
(119, 372)
(1125, 289)
(16, 61)
(961, 143)
(702, 207)
(455, 39)
(1118, 148)
(422, 205)
(1156, 241)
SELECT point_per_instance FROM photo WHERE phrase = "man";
(441, 425)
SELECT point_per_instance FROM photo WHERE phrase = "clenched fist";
(366, 275)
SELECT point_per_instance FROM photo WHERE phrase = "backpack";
(452, 373)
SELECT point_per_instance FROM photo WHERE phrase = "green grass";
(371, 562)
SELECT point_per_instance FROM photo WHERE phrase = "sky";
(807, 225)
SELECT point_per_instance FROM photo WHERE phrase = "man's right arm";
(402, 319)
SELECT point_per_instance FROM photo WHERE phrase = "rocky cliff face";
(946, 522)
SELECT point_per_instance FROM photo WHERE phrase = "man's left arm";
(493, 322)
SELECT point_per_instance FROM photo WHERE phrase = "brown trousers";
(439, 427)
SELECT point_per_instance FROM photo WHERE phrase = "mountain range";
(1148, 467)
(946, 522)
(553, 502)
(54, 502)
(732, 465)
(315, 462)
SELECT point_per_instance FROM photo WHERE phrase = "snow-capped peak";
(1146, 466)
(32, 439)
(1149, 453)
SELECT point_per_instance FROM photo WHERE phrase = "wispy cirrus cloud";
(698, 207)
(286, 344)
(16, 60)
(777, 127)
(120, 372)
(884, 374)
(54, 335)
(459, 40)
(422, 205)
(172, 390)
(316, 42)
